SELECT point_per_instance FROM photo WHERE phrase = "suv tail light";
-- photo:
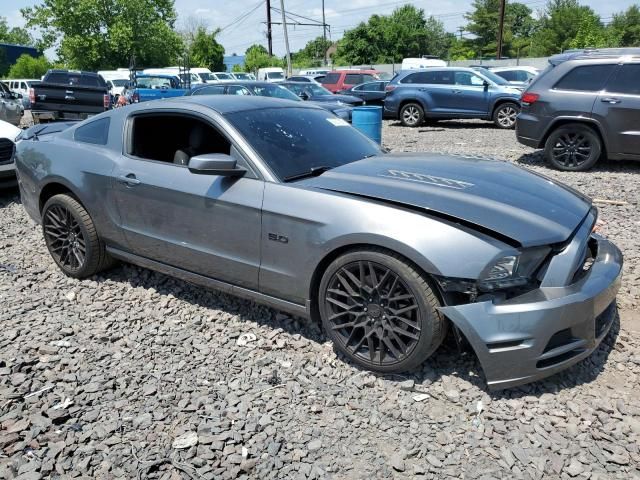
(32, 96)
(135, 98)
(529, 98)
(389, 88)
(106, 101)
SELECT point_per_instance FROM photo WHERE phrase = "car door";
(435, 89)
(206, 224)
(471, 97)
(618, 111)
(372, 93)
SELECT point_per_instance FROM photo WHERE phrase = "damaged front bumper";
(546, 330)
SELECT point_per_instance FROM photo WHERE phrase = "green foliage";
(624, 29)
(28, 67)
(257, 57)
(390, 38)
(460, 50)
(205, 51)
(238, 68)
(312, 55)
(15, 35)
(103, 34)
(591, 32)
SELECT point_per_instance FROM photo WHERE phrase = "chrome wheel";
(64, 237)
(411, 115)
(572, 149)
(373, 313)
(507, 116)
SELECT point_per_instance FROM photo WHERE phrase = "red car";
(347, 79)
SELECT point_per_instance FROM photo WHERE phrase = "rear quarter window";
(586, 78)
(331, 78)
(96, 132)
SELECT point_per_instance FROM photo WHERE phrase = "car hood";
(336, 98)
(331, 106)
(528, 208)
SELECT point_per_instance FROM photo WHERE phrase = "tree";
(29, 67)
(390, 38)
(624, 29)
(312, 55)
(102, 34)
(591, 32)
(15, 35)
(205, 51)
(257, 57)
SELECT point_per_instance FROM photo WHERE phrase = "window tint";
(445, 77)
(468, 79)
(237, 90)
(331, 78)
(23, 85)
(588, 78)
(96, 132)
(214, 90)
(353, 79)
(509, 76)
(627, 80)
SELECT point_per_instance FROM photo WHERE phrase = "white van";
(418, 63)
(271, 74)
(22, 86)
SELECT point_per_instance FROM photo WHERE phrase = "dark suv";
(584, 106)
(451, 92)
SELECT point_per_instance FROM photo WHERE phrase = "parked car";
(519, 77)
(281, 202)
(317, 93)
(8, 136)
(243, 76)
(373, 93)
(117, 86)
(426, 61)
(22, 86)
(11, 109)
(314, 72)
(267, 89)
(271, 74)
(338, 80)
(67, 94)
(154, 87)
(306, 78)
(584, 106)
(451, 92)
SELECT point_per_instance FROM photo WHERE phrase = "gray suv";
(584, 106)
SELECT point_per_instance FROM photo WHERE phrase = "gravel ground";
(133, 374)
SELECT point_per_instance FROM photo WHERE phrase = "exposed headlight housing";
(513, 270)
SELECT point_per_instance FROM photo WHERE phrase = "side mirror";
(215, 164)
(485, 84)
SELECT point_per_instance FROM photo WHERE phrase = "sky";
(341, 15)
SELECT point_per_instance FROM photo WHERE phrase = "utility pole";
(269, 36)
(324, 35)
(286, 38)
(503, 7)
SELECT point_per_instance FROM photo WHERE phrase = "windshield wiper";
(312, 172)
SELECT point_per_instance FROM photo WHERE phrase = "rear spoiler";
(46, 129)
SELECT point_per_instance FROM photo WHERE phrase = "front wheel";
(379, 311)
(505, 115)
(573, 147)
(412, 115)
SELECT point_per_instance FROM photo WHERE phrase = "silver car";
(286, 204)
(11, 109)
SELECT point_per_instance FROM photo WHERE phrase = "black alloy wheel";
(380, 312)
(573, 148)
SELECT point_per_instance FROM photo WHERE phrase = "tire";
(412, 115)
(574, 147)
(72, 239)
(397, 328)
(504, 116)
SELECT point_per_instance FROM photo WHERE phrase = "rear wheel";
(412, 115)
(379, 311)
(573, 147)
(505, 115)
(72, 239)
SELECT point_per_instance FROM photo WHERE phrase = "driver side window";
(468, 79)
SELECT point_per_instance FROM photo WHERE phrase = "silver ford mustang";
(286, 204)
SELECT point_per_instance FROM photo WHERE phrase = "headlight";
(512, 270)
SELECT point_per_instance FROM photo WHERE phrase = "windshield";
(206, 77)
(275, 75)
(120, 82)
(492, 76)
(293, 141)
(224, 76)
(156, 82)
(311, 88)
(242, 76)
(275, 91)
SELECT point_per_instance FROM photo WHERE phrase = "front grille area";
(6, 151)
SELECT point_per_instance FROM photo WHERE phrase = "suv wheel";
(379, 311)
(72, 239)
(412, 115)
(505, 115)
(573, 147)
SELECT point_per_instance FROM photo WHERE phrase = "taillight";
(32, 96)
(529, 98)
(135, 98)
(389, 88)
(107, 101)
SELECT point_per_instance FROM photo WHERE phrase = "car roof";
(232, 103)
(595, 54)
(246, 83)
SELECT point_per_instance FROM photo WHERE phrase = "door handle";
(129, 180)
(611, 100)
